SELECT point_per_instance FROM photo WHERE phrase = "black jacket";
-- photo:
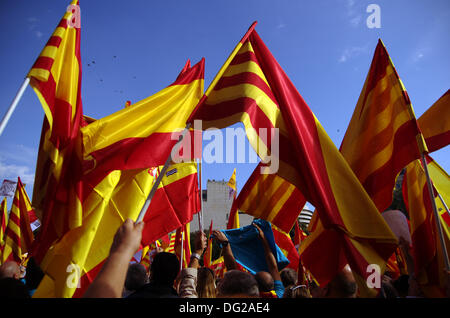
(153, 290)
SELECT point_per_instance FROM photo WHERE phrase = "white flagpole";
(436, 214)
(182, 248)
(160, 176)
(14, 104)
(443, 202)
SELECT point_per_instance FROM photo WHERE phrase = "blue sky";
(132, 49)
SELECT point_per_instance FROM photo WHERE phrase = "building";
(216, 206)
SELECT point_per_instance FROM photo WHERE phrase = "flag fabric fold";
(382, 136)
(435, 125)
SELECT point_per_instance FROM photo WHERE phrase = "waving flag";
(207, 256)
(252, 88)
(426, 247)
(108, 198)
(284, 242)
(383, 136)
(233, 218)
(18, 234)
(183, 244)
(3, 222)
(435, 123)
(140, 136)
(174, 204)
(56, 80)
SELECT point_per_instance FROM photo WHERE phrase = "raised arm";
(270, 258)
(228, 257)
(110, 280)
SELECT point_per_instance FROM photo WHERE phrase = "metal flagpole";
(436, 214)
(443, 202)
(14, 104)
(160, 176)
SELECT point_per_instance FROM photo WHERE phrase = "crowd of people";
(118, 278)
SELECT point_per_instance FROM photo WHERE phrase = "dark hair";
(164, 268)
(288, 276)
(265, 281)
(13, 288)
(136, 276)
(236, 282)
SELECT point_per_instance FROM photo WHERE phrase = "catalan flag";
(426, 247)
(18, 234)
(171, 247)
(254, 89)
(435, 123)
(207, 256)
(233, 218)
(383, 136)
(441, 182)
(182, 244)
(3, 222)
(56, 80)
(270, 197)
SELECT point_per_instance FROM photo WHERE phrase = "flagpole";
(160, 176)
(436, 214)
(14, 104)
(443, 202)
(182, 248)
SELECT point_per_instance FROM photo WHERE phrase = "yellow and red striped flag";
(383, 135)
(18, 234)
(426, 246)
(3, 222)
(252, 88)
(285, 243)
(116, 192)
(233, 217)
(171, 247)
(148, 253)
(435, 123)
(56, 80)
(207, 256)
(183, 234)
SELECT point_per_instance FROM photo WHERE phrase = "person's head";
(265, 281)
(13, 288)
(206, 283)
(136, 277)
(236, 283)
(164, 268)
(288, 276)
(343, 285)
(300, 291)
(10, 269)
(34, 274)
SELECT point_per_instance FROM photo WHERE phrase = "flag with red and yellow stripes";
(18, 234)
(426, 246)
(3, 220)
(56, 80)
(383, 135)
(171, 247)
(435, 123)
(122, 140)
(254, 89)
(207, 256)
(285, 243)
(108, 197)
(233, 216)
(174, 204)
(182, 245)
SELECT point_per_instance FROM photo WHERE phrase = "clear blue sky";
(132, 49)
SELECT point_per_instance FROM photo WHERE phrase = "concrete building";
(216, 206)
